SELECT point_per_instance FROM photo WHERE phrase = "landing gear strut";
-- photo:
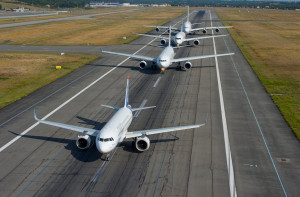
(106, 155)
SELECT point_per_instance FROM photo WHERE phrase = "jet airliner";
(187, 27)
(115, 130)
(180, 37)
(166, 58)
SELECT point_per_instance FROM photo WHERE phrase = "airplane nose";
(103, 147)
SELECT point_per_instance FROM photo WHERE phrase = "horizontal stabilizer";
(111, 107)
(142, 108)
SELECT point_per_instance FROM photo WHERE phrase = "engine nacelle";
(156, 29)
(142, 143)
(143, 64)
(83, 142)
(217, 30)
(187, 65)
(163, 41)
(204, 31)
(196, 42)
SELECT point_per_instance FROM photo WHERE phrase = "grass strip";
(23, 73)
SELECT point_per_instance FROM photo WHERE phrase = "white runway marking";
(225, 130)
(157, 81)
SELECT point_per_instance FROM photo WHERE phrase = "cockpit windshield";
(105, 139)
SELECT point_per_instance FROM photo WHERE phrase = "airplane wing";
(153, 36)
(139, 57)
(92, 132)
(199, 57)
(163, 27)
(203, 37)
(162, 130)
(201, 28)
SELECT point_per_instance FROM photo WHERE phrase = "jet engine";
(142, 143)
(217, 30)
(163, 41)
(204, 31)
(143, 64)
(187, 65)
(196, 42)
(156, 29)
(83, 142)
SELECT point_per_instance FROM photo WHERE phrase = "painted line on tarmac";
(256, 120)
(157, 81)
(139, 111)
(232, 185)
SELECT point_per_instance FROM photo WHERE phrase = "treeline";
(57, 3)
(193, 3)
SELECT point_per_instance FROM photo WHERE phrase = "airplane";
(180, 37)
(187, 27)
(166, 57)
(116, 130)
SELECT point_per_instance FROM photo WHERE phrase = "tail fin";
(188, 15)
(126, 104)
(170, 32)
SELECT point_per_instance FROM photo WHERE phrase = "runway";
(46, 161)
(80, 17)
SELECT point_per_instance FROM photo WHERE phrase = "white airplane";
(166, 58)
(115, 130)
(187, 27)
(180, 37)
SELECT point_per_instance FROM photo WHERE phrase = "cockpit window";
(162, 60)
(178, 38)
(105, 139)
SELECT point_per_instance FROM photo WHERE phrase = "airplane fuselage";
(114, 130)
(164, 60)
(187, 27)
(179, 38)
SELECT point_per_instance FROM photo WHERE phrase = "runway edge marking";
(232, 185)
(258, 125)
(69, 100)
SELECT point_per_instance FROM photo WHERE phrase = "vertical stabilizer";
(170, 32)
(188, 15)
(127, 94)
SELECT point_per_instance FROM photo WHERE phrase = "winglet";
(101, 49)
(170, 32)
(35, 117)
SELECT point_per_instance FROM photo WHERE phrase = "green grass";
(23, 73)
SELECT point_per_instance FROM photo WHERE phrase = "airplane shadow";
(147, 70)
(89, 155)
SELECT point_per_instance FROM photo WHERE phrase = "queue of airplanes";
(116, 129)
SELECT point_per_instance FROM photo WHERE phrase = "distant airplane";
(187, 27)
(115, 130)
(166, 58)
(180, 37)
